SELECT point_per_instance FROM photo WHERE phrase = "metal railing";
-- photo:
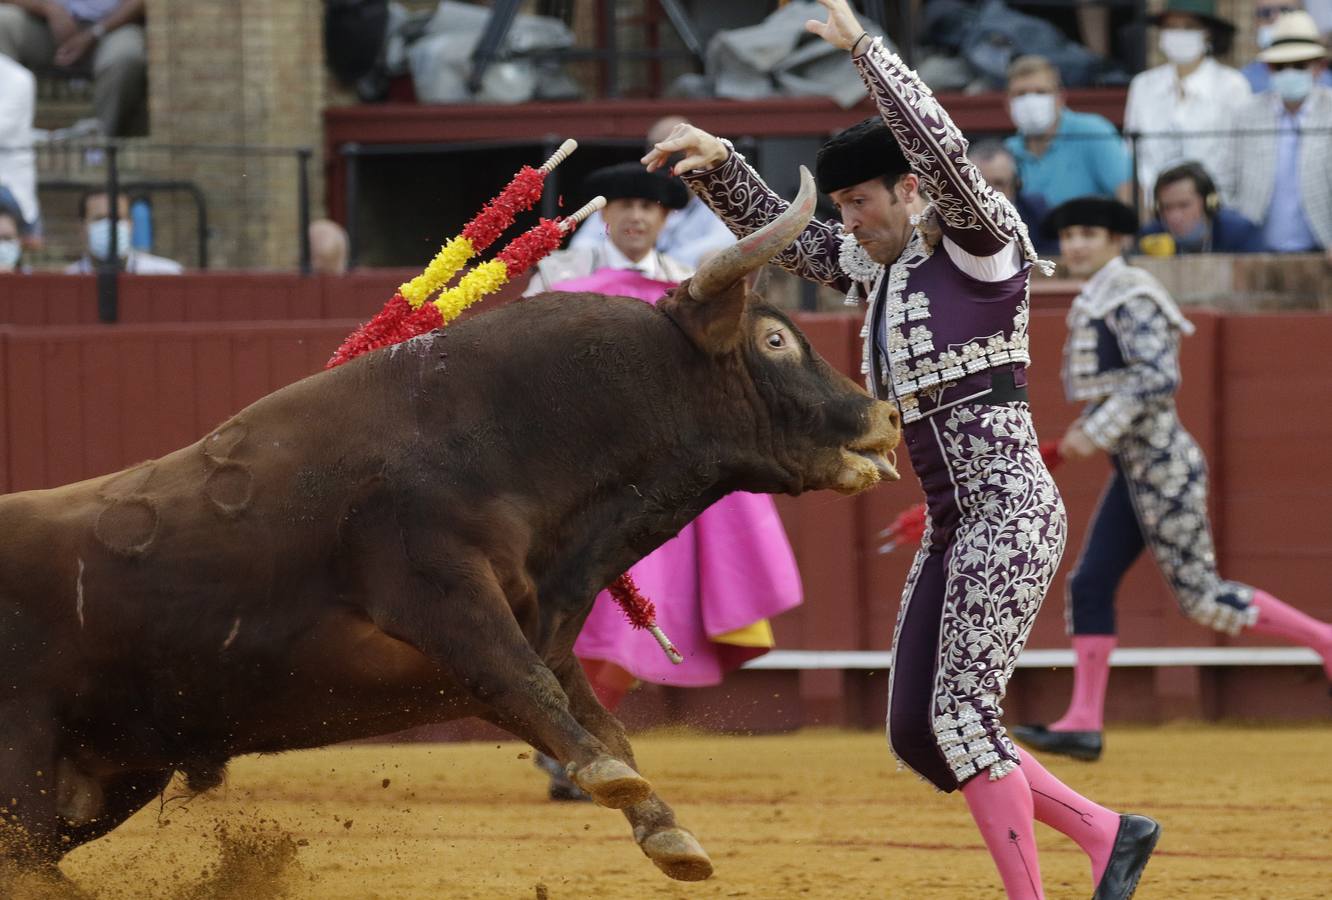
(233, 184)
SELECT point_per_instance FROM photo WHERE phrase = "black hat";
(629, 180)
(1203, 10)
(1097, 212)
(862, 152)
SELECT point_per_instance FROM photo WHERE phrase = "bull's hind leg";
(116, 800)
(465, 625)
(674, 849)
(28, 840)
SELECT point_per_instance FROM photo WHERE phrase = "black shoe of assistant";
(1134, 842)
(562, 786)
(1083, 745)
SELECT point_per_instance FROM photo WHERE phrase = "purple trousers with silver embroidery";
(995, 533)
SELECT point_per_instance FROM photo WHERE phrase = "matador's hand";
(701, 150)
(842, 28)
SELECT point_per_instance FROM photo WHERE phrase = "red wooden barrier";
(86, 400)
(54, 299)
(81, 400)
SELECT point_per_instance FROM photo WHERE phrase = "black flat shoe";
(1134, 842)
(1083, 745)
(562, 788)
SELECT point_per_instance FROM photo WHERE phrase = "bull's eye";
(776, 340)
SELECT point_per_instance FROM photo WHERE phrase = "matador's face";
(879, 216)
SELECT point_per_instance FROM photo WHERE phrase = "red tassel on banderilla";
(641, 613)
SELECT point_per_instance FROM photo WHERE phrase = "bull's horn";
(748, 254)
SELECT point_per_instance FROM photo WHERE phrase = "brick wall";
(248, 72)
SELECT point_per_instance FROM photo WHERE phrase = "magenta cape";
(729, 568)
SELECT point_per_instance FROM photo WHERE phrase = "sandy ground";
(1247, 812)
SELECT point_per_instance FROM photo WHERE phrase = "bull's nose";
(885, 424)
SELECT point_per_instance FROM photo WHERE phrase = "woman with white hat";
(1180, 110)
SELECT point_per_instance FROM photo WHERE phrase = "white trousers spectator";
(117, 63)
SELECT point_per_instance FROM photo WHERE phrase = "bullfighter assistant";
(945, 263)
(1122, 358)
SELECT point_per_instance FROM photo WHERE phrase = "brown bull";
(413, 537)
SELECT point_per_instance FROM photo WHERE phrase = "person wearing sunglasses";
(1277, 172)
(1265, 14)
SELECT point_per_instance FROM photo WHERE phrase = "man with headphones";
(1191, 219)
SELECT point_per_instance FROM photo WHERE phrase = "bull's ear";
(710, 306)
(713, 324)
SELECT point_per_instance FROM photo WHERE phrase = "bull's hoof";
(679, 854)
(612, 783)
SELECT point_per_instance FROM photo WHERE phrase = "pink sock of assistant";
(1091, 826)
(1283, 621)
(1091, 673)
(1003, 812)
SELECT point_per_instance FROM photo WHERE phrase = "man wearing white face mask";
(1279, 172)
(1265, 14)
(1061, 153)
(95, 211)
(1183, 109)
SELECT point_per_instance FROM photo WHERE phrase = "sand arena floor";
(1247, 812)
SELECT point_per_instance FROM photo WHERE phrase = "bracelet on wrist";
(863, 35)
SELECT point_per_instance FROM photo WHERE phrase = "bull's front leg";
(459, 617)
(674, 849)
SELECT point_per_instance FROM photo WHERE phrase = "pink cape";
(729, 568)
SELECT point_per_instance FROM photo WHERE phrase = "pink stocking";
(1091, 826)
(1287, 622)
(1091, 673)
(1002, 810)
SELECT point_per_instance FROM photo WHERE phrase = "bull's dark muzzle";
(870, 458)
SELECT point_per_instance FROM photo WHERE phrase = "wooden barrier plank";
(4, 410)
(823, 530)
(26, 426)
(1278, 484)
(104, 414)
(177, 403)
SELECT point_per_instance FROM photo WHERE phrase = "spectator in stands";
(328, 247)
(1182, 109)
(637, 203)
(1190, 217)
(18, 173)
(688, 235)
(11, 248)
(1281, 144)
(103, 39)
(1061, 153)
(1265, 14)
(94, 211)
(999, 169)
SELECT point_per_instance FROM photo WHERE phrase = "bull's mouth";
(885, 466)
(864, 467)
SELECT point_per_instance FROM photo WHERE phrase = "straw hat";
(1295, 38)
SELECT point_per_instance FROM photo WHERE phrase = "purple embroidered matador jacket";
(945, 320)
(933, 317)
